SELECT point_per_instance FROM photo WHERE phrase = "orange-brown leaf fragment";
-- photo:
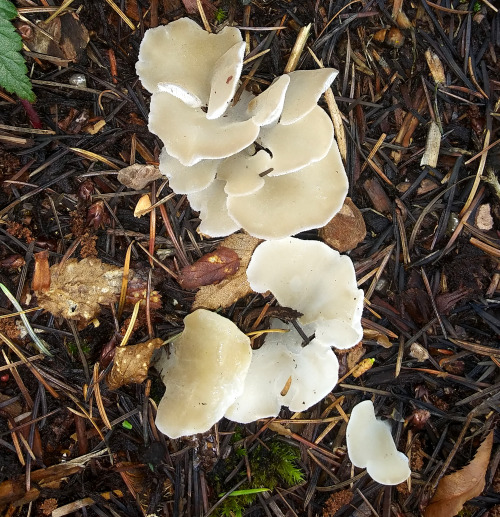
(235, 286)
(78, 289)
(210, 269)
(461, 486)
(131, 363)
(41, 276)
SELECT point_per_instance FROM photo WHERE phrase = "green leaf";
(247, 491)
(12, 65)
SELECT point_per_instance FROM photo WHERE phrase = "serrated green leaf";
(12, 65)
(7, 10)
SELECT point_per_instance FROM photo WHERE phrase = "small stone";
(78, 80)
(484, 220)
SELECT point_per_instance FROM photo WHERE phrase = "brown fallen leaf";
(137, 176)
(210, 269)
(131, 363)
(41, 276)
(461, 486)
(78, 289)
(234, 287)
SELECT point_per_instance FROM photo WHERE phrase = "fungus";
(295, 182)
(180, 58)
(312, 370)
(370, 445)
(317, 281)
(203, 375)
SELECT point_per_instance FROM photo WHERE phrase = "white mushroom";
(309, 374)
(243, 172)
(184, 179)
(370, 445)
(304, 91)
(294, 202)
(181, 57)
(190, 137)
(295, 146)
(211, 203)
(317, 281)
(267, 107)
(203, 375)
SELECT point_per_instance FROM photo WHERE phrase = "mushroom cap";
(242, 171)
(294, 202)
(203, 375)
(317, 281)
(190, 137)
(295, 146)
(304, 91)
(313, 370)
(180, 58)
(184, 179)
(211, 203)
(266, 108)
(370, 445)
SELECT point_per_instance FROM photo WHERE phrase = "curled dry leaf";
(131, 363)
(77, 289)
(137, 176)
(375, 335)
(461, 486)
(210, 269)
(346, 230)
(235, 286)
(435, 66)
(143, 206)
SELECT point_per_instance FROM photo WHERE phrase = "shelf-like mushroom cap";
(295, 146)
(190, 137)
(283, 373)
(294, 202)
(266, 108)
(180, 58)
(304, 91)
(243, 172)
(370, 445)
(184, 179)
(317, 281)
(203, 375)
(211, 203)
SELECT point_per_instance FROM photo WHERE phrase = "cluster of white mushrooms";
(267, 164)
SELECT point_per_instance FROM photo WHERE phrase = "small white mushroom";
(180, 58)
(211, 203)
(309, 373)
(304, 91)
(267, 107)
(370, 445)
(203, 375)
(190, 137)
(242, 172)
(294, 202)
(297, 145)
(317, 281)
(184, 179)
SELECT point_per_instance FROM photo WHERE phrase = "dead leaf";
(191, 7)
(137, 176)
(69, 38)
(346, 230)
(78, 289)
(461, 486)
(143, 206)
(41, 276)
(210, 269)
(131, 363)
(234, 287)
(280, 429)
(363, 367)
(375, 335)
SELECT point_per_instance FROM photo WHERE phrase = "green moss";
(271, 465)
